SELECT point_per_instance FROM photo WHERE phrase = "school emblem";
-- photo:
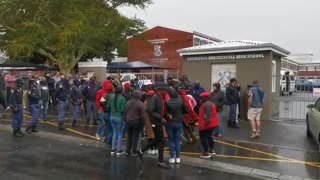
(157, 50)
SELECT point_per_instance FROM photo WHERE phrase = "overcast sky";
(292, 24)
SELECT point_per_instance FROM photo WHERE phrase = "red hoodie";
(101, 92)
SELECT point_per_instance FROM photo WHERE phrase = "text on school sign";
(226, 57)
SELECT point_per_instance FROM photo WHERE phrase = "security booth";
(244, 60)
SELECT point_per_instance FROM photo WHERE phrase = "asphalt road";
(35, 157)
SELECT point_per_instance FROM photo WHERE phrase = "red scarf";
(163, 99)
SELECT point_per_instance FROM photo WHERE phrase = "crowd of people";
(158, 111)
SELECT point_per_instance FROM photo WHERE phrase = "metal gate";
(293, 104)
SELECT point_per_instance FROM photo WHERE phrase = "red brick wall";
(309, 73)
(141, 49)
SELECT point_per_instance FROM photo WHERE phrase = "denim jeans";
(108, 130)
(76, 112)
(102, 124)
(233, 114)
(92, 110)
(117, 127)
(35, 111)
(206, 139)
(174, 134)
(17, 117)
(61, 111)
(44, 109)
(219, 129)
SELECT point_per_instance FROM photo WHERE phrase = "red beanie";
(127, 85)
(109, 87)
(150, 93)
(204, 94)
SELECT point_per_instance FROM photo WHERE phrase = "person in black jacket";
(51, 86)
(34, 99)
(157, 110)
(90, 93)
(76, 100)
(218, 97)
(232, 94)
(61, 96)
(175, 109)
(15, 103)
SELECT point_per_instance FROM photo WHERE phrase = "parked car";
(313, 121)
(304, 85)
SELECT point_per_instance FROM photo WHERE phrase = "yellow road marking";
(269, 154)
(280, 158)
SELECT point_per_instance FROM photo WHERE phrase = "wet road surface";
(36, 158)
(282, 148)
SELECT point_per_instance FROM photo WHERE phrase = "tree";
(64, 30)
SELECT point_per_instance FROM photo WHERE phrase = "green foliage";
(65, 30)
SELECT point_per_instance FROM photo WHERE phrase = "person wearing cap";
(61, 96)
(34, 100)
(208, 121)
(76, 100)
(90, 92)
(45, 96)
(15, 103)
(158, 111)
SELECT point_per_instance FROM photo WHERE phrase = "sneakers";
(113, 152)
(178, 160)
(120, 152)
(212, 152)
(98, 137)
(172, 161)
(205, 155)
(254, 135)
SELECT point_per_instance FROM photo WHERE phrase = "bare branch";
(47, 54)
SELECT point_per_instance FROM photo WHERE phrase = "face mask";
(60, 86)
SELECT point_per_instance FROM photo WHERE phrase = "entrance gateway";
(244, 60)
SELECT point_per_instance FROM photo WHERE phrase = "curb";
(187, 160)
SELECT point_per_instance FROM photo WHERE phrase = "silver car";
(313, 121)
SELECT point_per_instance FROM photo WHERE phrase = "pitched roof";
(233, 46)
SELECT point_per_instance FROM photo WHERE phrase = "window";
(302, 68)
(274, 76)
(203, 42)
(196, 42)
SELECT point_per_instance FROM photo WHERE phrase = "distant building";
(159, 45)
(303, 65)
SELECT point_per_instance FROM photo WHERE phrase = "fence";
(294, 97)
(154, 77)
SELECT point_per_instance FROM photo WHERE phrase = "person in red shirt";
(107, 87)
(208, 120)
